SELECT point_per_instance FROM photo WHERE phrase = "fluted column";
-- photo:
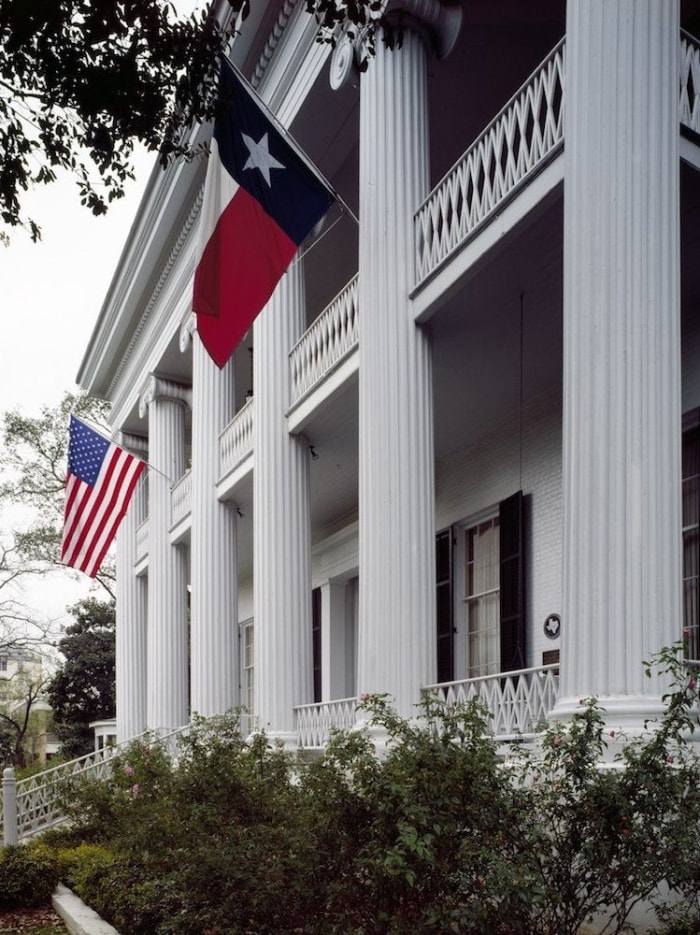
(130, 637)
(622, 416)
(396, 651)
(282, 546)
(167, 644)
(213, 571)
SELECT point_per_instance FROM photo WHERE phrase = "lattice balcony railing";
(518, 702)
(236, 440)
(314, 722)
(690, 82)
(37, 797)
(331, 337)
(517, 143)
(181, 501)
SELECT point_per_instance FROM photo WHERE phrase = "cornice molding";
(182, 238)
(272, 41)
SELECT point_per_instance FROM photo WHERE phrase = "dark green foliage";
(28, 876)
(435, 834)
(83, 81)
(83, 688)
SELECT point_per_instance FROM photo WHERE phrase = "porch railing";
(690, 82)
(518, 703)
(314, 722)
(518, 142)
(236, 440)
(326, 343)
(182, 498)
(36, 800)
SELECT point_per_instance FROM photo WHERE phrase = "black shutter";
(443, 592)
(512, 558)
(316, 641)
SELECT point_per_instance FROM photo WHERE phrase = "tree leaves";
(81, 81)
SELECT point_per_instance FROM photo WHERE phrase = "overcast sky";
(51, 294)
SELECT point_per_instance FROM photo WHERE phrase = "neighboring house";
(473, 441)
(21, 676)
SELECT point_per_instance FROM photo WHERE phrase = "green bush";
(77, 865)
(433, 834)
(28, 876)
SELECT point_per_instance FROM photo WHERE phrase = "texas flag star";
(260, 156)
(249, 229)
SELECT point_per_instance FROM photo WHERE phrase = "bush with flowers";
(437, 833)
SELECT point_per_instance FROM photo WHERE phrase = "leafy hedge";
(437, 834)
(28, 876)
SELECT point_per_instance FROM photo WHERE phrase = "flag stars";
(260, 156)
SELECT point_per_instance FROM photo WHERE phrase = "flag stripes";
(94, 510)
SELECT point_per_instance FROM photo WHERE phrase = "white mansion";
(463, 437)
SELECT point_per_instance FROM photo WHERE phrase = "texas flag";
(261, 200)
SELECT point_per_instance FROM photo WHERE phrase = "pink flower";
(135, 789)
(612, 733)
(670, 758)
(364, 696)
(556, 740)
(129, 770)
(692, 683)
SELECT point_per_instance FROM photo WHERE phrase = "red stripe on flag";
(240, 267)
(127, 482)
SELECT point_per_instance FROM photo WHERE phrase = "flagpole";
(289, 139)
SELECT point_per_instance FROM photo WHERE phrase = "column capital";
(438, 21)
(136, 444)
(187, 332)
(162, 388)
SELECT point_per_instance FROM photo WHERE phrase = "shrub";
(435, 834)
(28, 876)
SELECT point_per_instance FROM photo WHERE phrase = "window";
(482, 597)
(691, 532)
(3, 663)
(247, 677)
(480, 594)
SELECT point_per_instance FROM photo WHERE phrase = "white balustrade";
(331, 337)
(182, 497)
(236, 440)
(314, 722)
(38, 797)
(518, 703)
(517, 143)
(690, 82)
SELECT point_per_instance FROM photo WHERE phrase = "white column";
(130, 654)
(396, 651)
(334, 640)
(282, 541)
(167, 645)
(622, 416)
(213, 571)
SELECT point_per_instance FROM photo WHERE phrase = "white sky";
(51, 294)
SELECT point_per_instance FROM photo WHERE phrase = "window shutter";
(512, 560)
(443, 592)
(316, 641)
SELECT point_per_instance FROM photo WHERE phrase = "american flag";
(101, 479)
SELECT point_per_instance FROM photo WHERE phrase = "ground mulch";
(43, 921)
